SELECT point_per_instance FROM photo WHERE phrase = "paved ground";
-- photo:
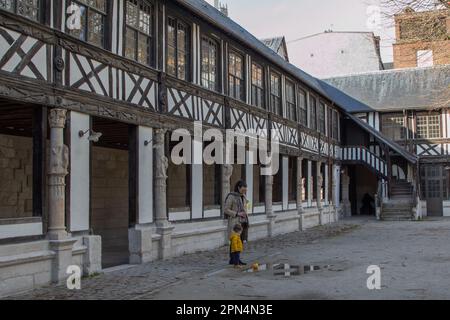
(414, 258)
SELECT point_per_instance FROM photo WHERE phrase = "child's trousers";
(235, 258)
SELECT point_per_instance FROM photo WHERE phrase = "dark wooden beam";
(133, 175)
(39, 164)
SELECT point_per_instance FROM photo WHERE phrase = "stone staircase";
(399, 207)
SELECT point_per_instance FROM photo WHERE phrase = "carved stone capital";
(159, 137)
(57, 118)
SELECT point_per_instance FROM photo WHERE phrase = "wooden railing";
(360, 154)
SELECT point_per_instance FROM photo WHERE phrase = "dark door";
(433, 180)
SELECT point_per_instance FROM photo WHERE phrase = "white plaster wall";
(79, 172)
(145, 175)
(197, 175)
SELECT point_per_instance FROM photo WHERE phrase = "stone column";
(269, 207)
(319, 192)
(310, 183)
(163, 226)
(299, 194)
(346, 207)
(334, 193)
(57, 171)
(227, 172)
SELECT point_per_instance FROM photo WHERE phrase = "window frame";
(153, 41)
(302, 111)
(256, 87)
(41, 15)
(291, 105)
(427, 126)
(312, 123)
(233, 51)
(188, 53)
(217, 82)
(401, 127)
(321, 117)
(279, 108)
(107, 16)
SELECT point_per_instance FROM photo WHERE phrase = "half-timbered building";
(90, 91)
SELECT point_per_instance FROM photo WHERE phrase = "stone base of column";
(165, 229)
(271, 225)
(62, 259)
(140, 244)
(93, 255)
(321, 217)
(346, 209)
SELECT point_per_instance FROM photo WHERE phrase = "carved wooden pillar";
(163, 226)
(300, 193)
(161, 163)
(269, 205)
(227, 172)
(57, 171)
(319, 191)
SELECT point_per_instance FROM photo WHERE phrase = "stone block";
(93, 256)
(15, 285)
(140, 244)
(7, 152)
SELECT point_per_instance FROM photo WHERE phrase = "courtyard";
(414, 258)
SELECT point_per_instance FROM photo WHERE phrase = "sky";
(298, 18)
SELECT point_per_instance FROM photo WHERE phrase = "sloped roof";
(414, 88)
(336, 53)
(275, 44)
(341, 99)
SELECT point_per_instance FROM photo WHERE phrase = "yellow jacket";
(236, 243)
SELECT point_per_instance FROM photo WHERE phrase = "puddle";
(285, 269)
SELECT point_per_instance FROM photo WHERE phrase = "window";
(335, 125)
(275, 93)
(302, 108)
(257, 86)
(329, 122)
(428, 126)
(321, 118)
(26, 8)
(290, 101)
(236, 76)
(177, 48)
(424, 58)
(312, 113)
(393, 126)
(209, 64)
(139, 31)
(93, 19)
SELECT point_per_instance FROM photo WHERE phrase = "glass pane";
(181, 66)
(171, 69)
(95, 28)
(130, 43)
(28, 9)
(81, 33)
(182, 40)
(171, 32)
(132, 14)
(143, 49)
(7, 5)
(145, 22)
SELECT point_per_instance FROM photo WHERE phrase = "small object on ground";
(255, 267)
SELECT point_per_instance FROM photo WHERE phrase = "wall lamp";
(93, 136)
(147, 142)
